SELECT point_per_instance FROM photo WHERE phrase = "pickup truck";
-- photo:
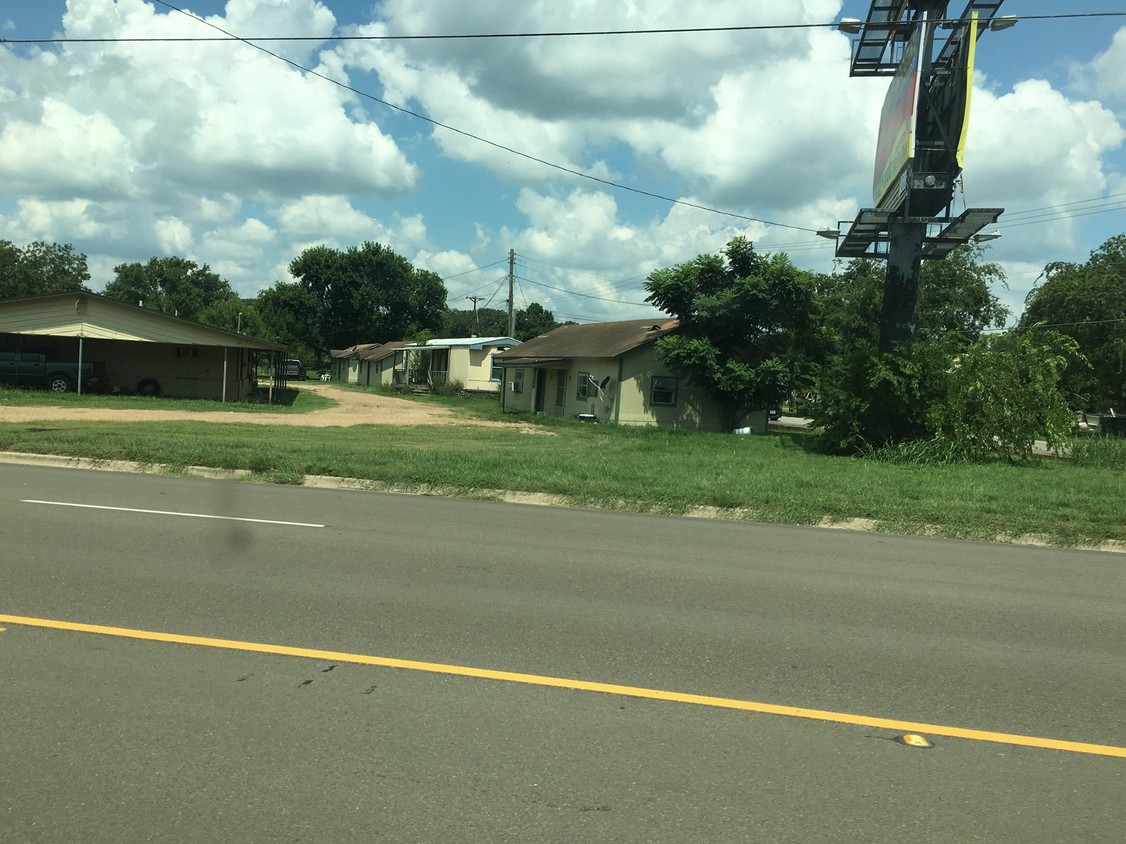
(28, 369)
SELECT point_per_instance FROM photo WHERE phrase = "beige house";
(140, 351)
(609, 372)
(470, 360)
(368, 364)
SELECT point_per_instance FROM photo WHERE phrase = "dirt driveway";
(352, 408)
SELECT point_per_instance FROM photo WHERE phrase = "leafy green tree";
(1002, 393)
(366, 294)
(743, 320)
(533, 321)
(489, 322)
(1087, 302)
(286, 310)
(234, 314)
(40, 269)
(173, 286)
(866, 398)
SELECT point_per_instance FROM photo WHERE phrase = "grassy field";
(284, 401)
(777, 477)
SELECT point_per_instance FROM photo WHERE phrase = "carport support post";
(79, 381)
(224, 399)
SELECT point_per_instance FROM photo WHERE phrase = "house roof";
(82, 314)
(465, 343)
(597, 340)
(358, 349)
(379, 352)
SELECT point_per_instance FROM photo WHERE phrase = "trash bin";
(1112, 426)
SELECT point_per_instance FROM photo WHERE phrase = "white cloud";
(65, 151)
(174, 236)
(329, 218)
(1034, 148)
(177, 120)
(1109, 68)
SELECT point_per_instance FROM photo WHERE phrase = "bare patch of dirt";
(352, 408)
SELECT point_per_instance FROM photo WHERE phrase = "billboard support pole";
(901, 286)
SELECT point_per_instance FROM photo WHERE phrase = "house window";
(662, 391)
(583, 391)
(518, 381)
(496, 371)
(187, 352)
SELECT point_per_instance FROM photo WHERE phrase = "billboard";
(971, 55)
(896, 144)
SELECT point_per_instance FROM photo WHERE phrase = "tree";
(744, 320)
(1002, 394)
(1087, 302)
(234, 314)
(40, 269)
(173, 286)
(533, 321)
(489, 322)
(286, 310)
(367, 294)
(867, 398)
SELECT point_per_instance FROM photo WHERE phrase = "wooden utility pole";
(476, 322)
(511, 283)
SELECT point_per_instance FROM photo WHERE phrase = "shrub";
(1098, 452)
(452, 387)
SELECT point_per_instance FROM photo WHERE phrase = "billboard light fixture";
(850, 25)
(1003, 22)
(829, 234)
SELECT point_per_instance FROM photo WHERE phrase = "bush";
(934, 452)
(944, 399)
(1098, 452)
(452, 387)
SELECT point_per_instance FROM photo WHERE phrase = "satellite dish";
(605, 383)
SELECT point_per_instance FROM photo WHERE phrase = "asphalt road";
(118, 735)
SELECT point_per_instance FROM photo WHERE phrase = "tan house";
(346, 362)
(136, 350)
(470, 360)
(609, 372)
(368, 364)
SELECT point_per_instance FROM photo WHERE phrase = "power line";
(480, 139)
(1066, 204)
(475, 270)
(469, 36)
(586, 295)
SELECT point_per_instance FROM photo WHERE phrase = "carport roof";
(91, 316)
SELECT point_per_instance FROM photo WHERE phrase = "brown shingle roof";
(380, 352)
(352, 350)
(597, 340)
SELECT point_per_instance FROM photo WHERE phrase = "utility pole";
(476, 322)
(511, 283)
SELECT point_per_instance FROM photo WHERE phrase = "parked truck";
(31, 369)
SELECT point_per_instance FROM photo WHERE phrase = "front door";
(560, 390)
(541, 388)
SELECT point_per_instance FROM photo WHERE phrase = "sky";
(566, 150)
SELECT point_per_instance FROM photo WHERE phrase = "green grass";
(1099, 452)
(777, 477)
(284, 401)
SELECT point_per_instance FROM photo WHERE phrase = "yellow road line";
(579, 685)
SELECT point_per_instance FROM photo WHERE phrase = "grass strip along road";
(778, 477)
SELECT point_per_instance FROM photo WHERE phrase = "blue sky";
(220, 153)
